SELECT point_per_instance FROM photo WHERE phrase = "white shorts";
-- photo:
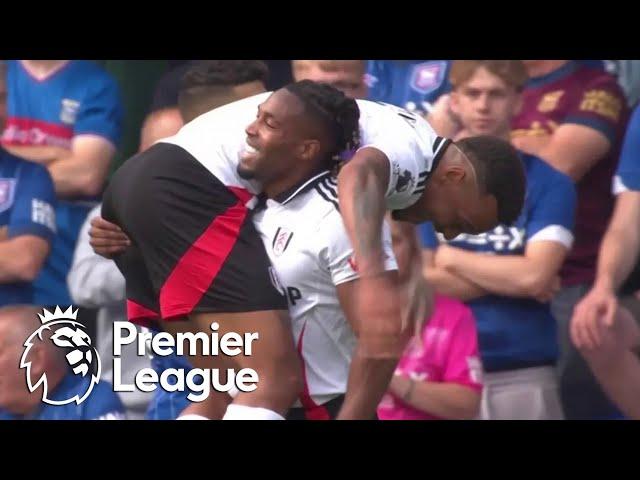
(524, 394)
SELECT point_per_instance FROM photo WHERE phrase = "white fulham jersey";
(311, 253)
(217, 138)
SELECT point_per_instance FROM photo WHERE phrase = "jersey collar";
(296, 190)
(562, 72)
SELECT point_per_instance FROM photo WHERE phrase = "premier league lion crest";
(80, 353)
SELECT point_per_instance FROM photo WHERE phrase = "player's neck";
(280, 186)
(43, 68)
(544, 67)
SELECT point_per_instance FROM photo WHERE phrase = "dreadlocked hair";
(338, 113)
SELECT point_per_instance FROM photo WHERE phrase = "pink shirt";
(449, 354)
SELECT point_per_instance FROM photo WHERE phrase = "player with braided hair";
(297, 134)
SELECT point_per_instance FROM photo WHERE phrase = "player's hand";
(377, 307)
(591, 316)
(107, 239)
(417, 303)
(4, 233)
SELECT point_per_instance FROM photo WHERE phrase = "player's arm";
(530, 275)
(83, 171)
(362, 186)
(93, 281)
(368, 377)
(107, 239)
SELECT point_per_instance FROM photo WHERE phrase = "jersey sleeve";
(33, 212)
(627, 175)
(600, 105)
(553, 215)
(410, 145)
(428, 236)
(101, 111)
(336, 252)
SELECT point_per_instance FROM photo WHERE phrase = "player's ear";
(310, 149)
(455, 174)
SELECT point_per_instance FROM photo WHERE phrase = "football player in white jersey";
(473, 184)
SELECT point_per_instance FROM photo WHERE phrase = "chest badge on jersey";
(7, 189)
(550, 101)
(281, 241)
(427, 77)
(69, 111)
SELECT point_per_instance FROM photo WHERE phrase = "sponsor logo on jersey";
(550, 101)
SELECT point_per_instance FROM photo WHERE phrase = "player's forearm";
(18, 264)
(368, 381)
(452, 285)
(513, 275)
(450, 401)
(362, 205)
(72, 178)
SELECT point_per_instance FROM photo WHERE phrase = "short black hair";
(219, 73)
(337, 112)
(500, 173)
(207, 83)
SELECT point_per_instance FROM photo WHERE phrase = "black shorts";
(326, 411)
(194, 246)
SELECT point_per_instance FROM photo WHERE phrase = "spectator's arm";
(93, 281)
(448, 283)
(22, 257)
(621, 242)
(528, 275)
(575, 149)
(84, 171)
(26, 240)
(589, 129)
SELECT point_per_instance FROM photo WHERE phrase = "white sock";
(191, 416)
(242, 412)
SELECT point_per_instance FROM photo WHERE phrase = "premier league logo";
(80, 353)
